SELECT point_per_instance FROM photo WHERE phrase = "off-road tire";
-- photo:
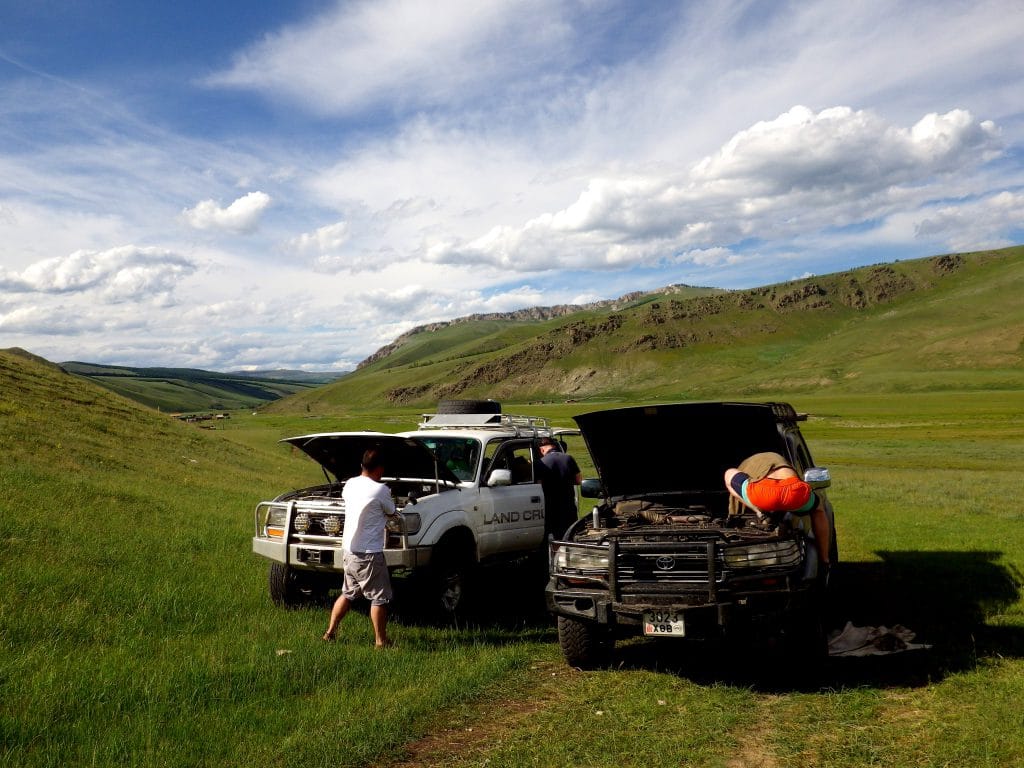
(290, 588)
(805, 641)
(468, 406)
(448, 577)
(584, 644)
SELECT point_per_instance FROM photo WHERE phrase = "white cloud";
(803, 169)
(974, 225)
(241, 217)
(711, 257)
(325, 240)
(117, 274)
(459, 148)
(402, 53)
(845, 151)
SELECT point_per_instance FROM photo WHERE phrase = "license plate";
(664, 623)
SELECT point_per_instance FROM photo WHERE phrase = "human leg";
(734, 482)
(379, 620)
(822, 534)
(340, 608)
(349, 591)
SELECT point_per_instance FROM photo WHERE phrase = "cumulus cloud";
(241, 217)
(327, 249)
(325, 240)
(460, 147)
(842, 148)
(971, 225)
(47, 321)
(801, 170)
(125, 273)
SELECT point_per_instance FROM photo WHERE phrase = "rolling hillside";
(136, 627)
(191, 390)
(942, 323)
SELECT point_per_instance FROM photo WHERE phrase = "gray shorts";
(366, 575)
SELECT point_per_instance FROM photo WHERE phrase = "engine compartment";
(676, 517)
(404, 492)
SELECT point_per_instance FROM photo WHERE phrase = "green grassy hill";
(136, 629)
(135, 624)
(946, 322)
(189, 390)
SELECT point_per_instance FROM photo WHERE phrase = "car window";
(517, 457)
(461, 455)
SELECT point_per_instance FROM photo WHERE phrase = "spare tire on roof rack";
(468, 406)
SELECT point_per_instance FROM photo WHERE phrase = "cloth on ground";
(872, 641)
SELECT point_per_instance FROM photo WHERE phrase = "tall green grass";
(135, 626)
(136, 629)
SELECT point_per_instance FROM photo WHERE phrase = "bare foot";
(328, 636)
(385, 644)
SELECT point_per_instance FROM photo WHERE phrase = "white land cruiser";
(466, 484)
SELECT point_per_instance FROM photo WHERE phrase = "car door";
(513, 514)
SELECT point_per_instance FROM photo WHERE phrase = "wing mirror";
(499, 477)
(591, 488)
(818, 477)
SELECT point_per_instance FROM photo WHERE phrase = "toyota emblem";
(665, 563)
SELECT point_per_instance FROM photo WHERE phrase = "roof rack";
(521, 425)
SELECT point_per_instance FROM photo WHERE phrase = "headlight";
(775, 553)
(274, 524)
(301, 522)
(406, 522)
(569, 558)
(331, 525)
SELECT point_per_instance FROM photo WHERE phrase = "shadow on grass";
(944, 597)
(503, 603)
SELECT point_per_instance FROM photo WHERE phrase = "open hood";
(341, 454)
(676, 447)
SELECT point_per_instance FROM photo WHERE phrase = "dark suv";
(660, 554)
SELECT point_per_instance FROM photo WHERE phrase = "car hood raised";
(679, 447)
(341, 454)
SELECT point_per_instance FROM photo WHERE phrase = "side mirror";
(499, 477)
(591, 488)
(818, 477)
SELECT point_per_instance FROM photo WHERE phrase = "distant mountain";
(285, 374)
(541, 313)
(189, 390)
(948, 323)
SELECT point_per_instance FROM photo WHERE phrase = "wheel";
(468, 406)
(805, 640)
(290, 588)
(584, 644)
(451, 589)
(448, 578)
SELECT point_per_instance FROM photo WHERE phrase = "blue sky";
(238, 185)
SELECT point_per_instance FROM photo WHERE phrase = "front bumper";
(733, 615)
(317, 557)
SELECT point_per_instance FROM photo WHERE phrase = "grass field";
(136, 629)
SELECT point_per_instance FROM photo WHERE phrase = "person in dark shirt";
(559, 479)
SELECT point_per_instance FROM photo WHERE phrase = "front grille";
(681, 564)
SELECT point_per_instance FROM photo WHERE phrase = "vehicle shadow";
(501, 602)
(944, 597)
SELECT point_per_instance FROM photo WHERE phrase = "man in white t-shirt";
(368, 504)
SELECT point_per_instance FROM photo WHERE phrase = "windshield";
(460, 454)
